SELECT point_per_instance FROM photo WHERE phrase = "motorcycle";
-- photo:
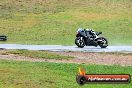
(3, 38)
(90, 38)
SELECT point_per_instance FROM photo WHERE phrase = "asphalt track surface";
(125, 49)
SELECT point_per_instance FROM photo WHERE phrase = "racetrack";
(124, 49)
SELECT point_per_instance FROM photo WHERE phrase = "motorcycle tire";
(103, 44)
(81, 43)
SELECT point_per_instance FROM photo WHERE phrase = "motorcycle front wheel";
(80, 42)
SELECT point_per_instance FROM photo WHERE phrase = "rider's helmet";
(80, 29)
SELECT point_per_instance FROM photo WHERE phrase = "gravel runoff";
(80, 57)
(83, 56)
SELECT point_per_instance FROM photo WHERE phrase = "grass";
(37, 54)
(15, 74)
(56, 22)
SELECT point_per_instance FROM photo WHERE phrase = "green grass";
(37, 54)
(15, 74)
(56, 22)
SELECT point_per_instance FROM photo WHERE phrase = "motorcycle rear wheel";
(103, 43)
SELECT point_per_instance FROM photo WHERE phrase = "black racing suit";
(90, 37)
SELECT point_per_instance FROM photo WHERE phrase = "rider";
(90, 32)
(90, 35)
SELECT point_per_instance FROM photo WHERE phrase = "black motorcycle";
(3, 38)
(90, 38)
